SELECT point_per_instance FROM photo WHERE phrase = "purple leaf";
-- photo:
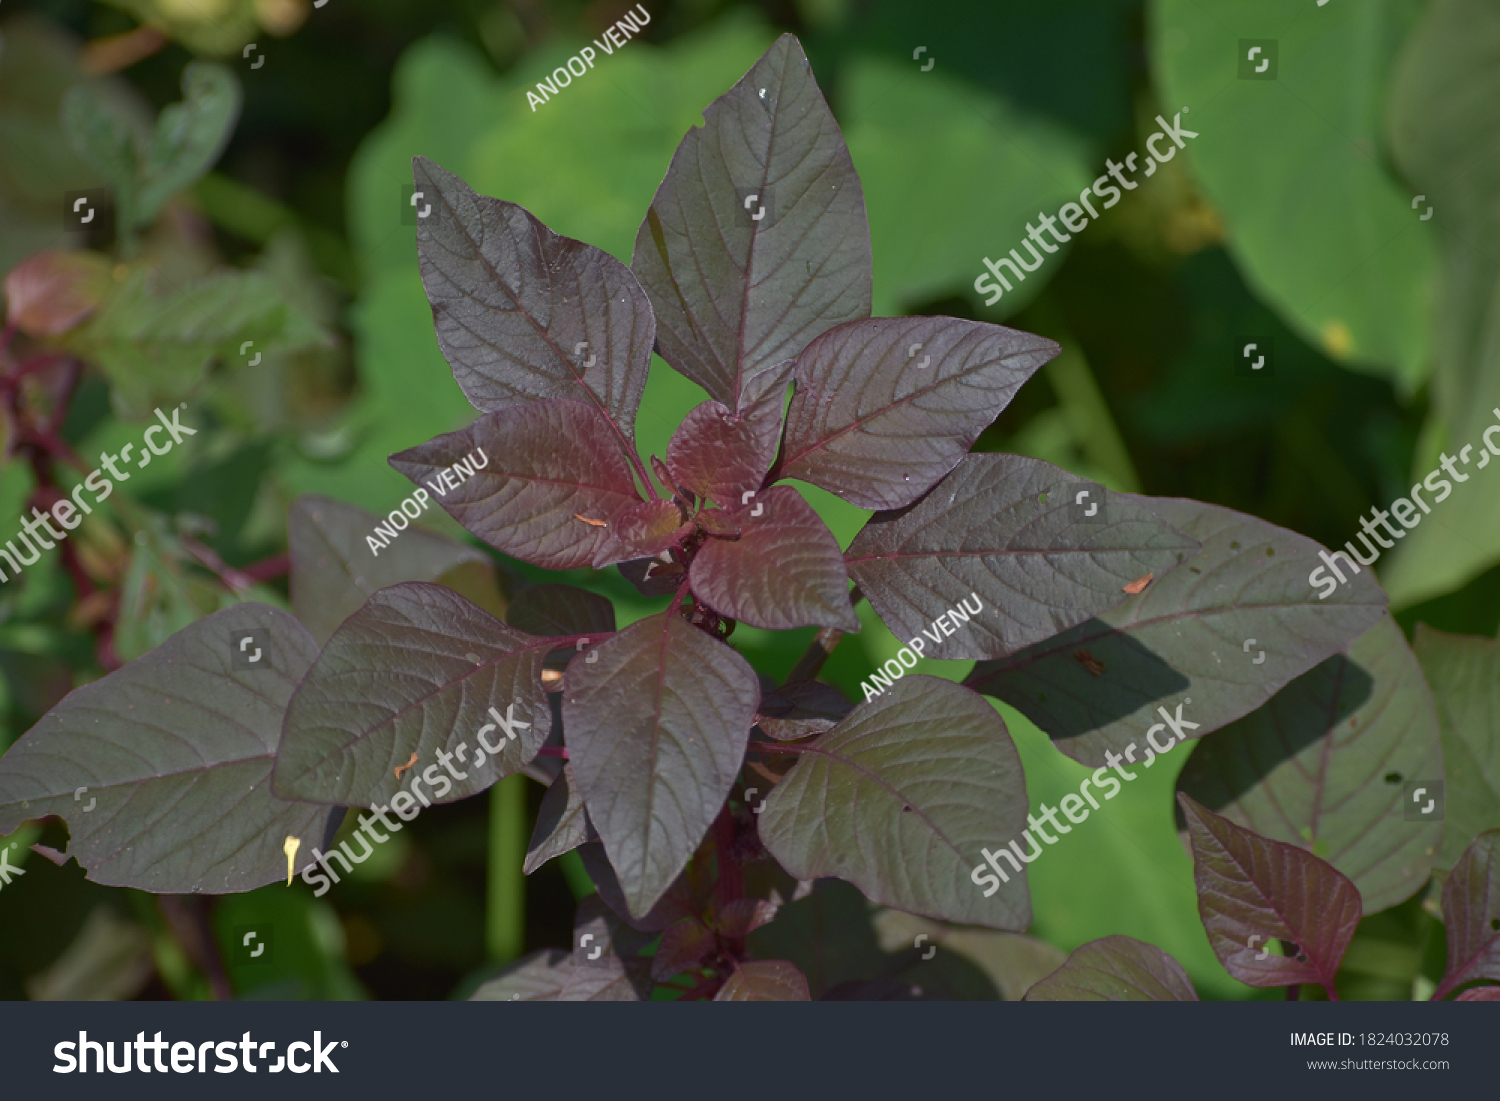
(552, 483)
(784, 571)
(1253, 891)
(560, 610)
(656, 729)
(679, 901)
(723, 455)
(886, 407)
(743, 916)
(1003, 532)
(681, 947)
(417, 671)
(539, 977)
(1116, 969)
(335, 568)
(900, 798)
(1471, 915)
(162, 769)
(756, 241)
(607, 965)
(561, 823)
(643, 530)
(1322, 766)
(1198, 633)
(765, 981)
(523, 314)
(1480, 994)
(800, 710)
(656, 576)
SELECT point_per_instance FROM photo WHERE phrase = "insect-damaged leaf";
(417, 670)
(1116, 969)
(756, 241)
(1322, 765)
(784, 571)
(175, 753)
(1252, 891)
(1007, 530)
(885, 407)
(900, 798)
(1198, 633)
(764, 981)
(334, 570)
(1465, 676)
(552, 467)
(723, 455)
(656, 729)
(523, 314)
(1471, 915)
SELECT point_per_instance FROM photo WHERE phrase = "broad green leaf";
(886, 407)
(1320, 227)
(757, 239)
(656, 726)
(523, 314)
(189, 135)
(550, 468)
(418, 672)
(764, 981)
(1447, 144)
(335, 570)
(561, 824)
(1330, 764)
(783, 572)
(154, 345)
(1471, 915)
(1006, 532)
(1465, 676)
(1116, 969)
(606, 964)
(175, 751)
(1252, 891)
(105, 135)
(1195, 635)
(538, 977)
(900, 798)
(52, 291)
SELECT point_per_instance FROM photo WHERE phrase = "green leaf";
(104, 135)
(1006, 532)
(1448, 147)
(656, 719)
(1318, 225)
(1329, 765)
(757, 239)
(765, 981)
(1116, 969)
(417, 671)
(899, 799)
(176, 751)
(1197, 634)
(154, 344)
(1464, 673)
(335, 570)
(1252, 891)
(189, 135)
(1471, 915)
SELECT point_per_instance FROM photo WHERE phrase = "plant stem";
(187, 918)
(505, 912)
(810, 664)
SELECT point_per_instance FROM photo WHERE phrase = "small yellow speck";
(1337, 339)
(290, 847)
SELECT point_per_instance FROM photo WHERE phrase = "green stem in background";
(505, 909)
(579, 880)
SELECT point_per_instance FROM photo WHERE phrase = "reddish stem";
(553, 751)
